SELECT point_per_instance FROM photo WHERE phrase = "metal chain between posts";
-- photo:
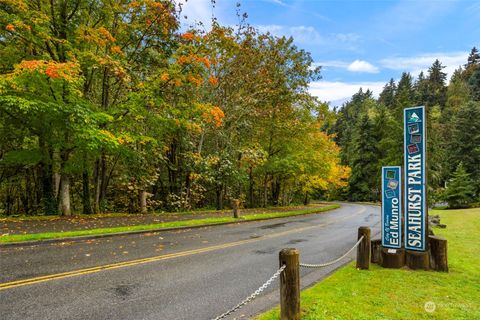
(253, 295)
(322, 265)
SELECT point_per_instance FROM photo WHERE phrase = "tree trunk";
(56, 183)
(306, 200)
(250, 188)
(219, 196)
(64, 196)
(87, 207)
(143, 201)
(8, 202)
(48, 196)
(188, 185)
(172, 167)
(265, 191)
(27, 198)
(276, 186)
(103, 181)
(98, 184)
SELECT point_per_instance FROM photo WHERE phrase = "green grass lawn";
(172, 224)
(401, 294)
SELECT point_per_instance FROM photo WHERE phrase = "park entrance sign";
(415, 178)
(391, 207)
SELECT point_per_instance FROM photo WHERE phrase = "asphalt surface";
(183, 274)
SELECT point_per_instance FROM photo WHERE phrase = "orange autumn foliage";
(116, 49)
(215, 115)
(134, 4)
(106, 34)
(165, 77)
(195, 80)
(55, 70)
(10, 27)
(205, 61)
(30, 64)
(52, 71)
(192, 58)
(213, 80)
(188, 36)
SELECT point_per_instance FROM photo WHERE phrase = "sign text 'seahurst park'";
(415, 178)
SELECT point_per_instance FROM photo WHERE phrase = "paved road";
(183, 274)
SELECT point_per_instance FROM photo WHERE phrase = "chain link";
(322, 265)
(276, 275)
(253, 295)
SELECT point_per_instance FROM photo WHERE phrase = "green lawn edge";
(163, 225)
(392, 294)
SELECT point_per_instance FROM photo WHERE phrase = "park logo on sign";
(391, 207)
(414, 117)
(415, 178)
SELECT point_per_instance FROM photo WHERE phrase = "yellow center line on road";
(30, 281)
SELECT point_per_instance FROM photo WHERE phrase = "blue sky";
(360, 43)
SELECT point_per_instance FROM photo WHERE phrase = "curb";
(126, 233)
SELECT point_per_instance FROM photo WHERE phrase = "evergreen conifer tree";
(436, 85)
(364, 162)
(405, 95)
(460, 190)
(464, 143)
(473, 57)
(387, 96)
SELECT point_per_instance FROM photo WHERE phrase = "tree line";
(370, 133)
(114, 106)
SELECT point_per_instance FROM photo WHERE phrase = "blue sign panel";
(415, 178)
(391, 207)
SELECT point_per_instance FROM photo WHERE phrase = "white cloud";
(336, 92)
(355, 66)
(308, 35)
(301, 34)
(416, 64)
(332, 64)
(279, 2)
(362, 66)
(410, 16)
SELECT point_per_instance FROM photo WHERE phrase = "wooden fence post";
(376, 251)
(290, 285)
(363, 249)
(438, 253)
(236, 208)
